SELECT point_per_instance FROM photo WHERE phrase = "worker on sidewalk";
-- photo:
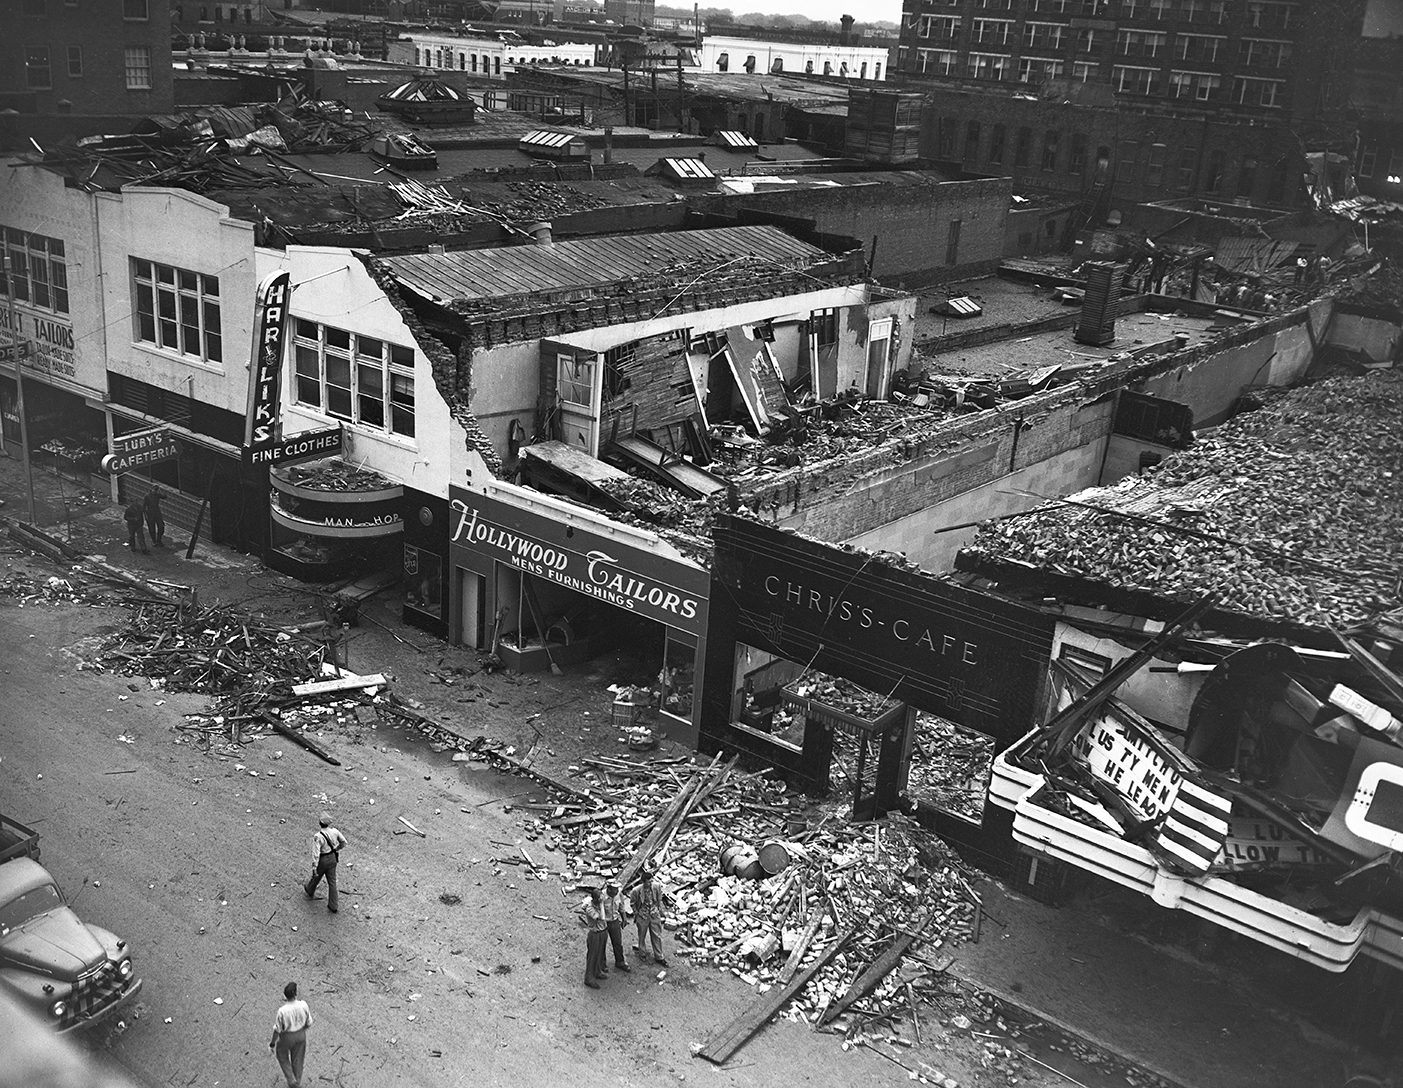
(614, 907)
(289, 1042)
(596, 932)
(327, 843)
(155, 520)
(136, 534)
(647, 902)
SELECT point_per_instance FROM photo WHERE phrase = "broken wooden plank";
(341, 683)
(735, 1034)
(806, 938)
(297, 738)
(411, 827)
(880, 968)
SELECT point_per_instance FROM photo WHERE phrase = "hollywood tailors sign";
(570, 555)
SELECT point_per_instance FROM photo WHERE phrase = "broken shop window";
(949, 767)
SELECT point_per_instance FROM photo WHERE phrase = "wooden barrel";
(741, 860)
(776, 856)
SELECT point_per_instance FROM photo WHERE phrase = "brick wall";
(911, 223)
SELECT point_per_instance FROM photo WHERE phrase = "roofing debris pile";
(532, 200)
(766, 887)
(1294, 511)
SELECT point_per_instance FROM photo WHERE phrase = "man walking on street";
(327, 843)
(614, 921)
(155, 521)
(289, 1042)
(596, 929)
(136, 535)
(648, 917)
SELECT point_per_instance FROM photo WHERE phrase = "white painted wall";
(795, 57)
(187, 231)
(448, 52)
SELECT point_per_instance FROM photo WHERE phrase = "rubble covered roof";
(589, 262)
(1292, 512)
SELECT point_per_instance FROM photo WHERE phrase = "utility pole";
(682, 109)
(19, 386)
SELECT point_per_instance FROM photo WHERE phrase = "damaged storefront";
(1238, 760)
(850, 670)
(542, 583)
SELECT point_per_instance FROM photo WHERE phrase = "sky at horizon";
(868, 11)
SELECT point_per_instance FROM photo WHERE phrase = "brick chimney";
(845, 35)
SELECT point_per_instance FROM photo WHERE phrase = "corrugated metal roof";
(590, 262)
(547, 138)
(692, 169)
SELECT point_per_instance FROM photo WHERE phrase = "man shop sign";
(598, 566)
(139, 449)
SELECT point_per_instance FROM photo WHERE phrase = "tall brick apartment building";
(1213, 98)
(108, 58)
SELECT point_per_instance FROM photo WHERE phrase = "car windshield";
(22, 908)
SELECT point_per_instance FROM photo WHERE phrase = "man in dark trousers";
(155, 521)
(596, 933)
(648, 917)
(289, 1042)
(327, 844)
(614, 922)
(136, 535)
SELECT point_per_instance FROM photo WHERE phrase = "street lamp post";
(19, 386)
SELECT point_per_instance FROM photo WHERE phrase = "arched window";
(828, 68)
(777, 65)
(497, 68)
(750, 63)
(808, 68)
(462, 61)
(863, 74)
(723, 61)
(474, 67)
(843, 69)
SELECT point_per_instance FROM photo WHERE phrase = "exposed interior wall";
(1378, 337)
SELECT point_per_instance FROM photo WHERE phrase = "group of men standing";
(603, 917)
(145, 510)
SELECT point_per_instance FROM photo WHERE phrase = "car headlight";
(125, 969)
(58, 1008)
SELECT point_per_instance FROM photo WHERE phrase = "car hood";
(55, 943)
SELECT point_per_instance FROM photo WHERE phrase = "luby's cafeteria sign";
(597, 565)
(140, 448)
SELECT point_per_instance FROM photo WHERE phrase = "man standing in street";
(327, 844)
(614, 921)
(648, 917)
(136, 535)
(289, 1042)
(155, 521)
(596, 932)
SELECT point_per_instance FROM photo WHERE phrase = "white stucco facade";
(488, 58)
(721, 53)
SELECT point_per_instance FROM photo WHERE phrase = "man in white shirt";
(289, 1042)
(326, 846)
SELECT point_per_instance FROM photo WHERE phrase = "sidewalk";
(1104, 967)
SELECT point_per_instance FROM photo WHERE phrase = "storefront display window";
(423, 581)
(678, 673)
(950, 767)
(759, 696)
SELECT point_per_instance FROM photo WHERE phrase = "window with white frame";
(1267, 15)
(1044, 35)
(1034, 69)
(37, 75)
(1263, 53)
(1128, 80)
(75, 62)
(575, 382)
(138, 66)
(1199, 86)
(1395, 165)
(1140, 43)
(940, 61)
(995, 5)
(359, 379)
(177, 310)
(1259, 92)
(1085, 71)
(1049, 7)
(1368, 159)
(989, 65)
(1087, 39)
(1203, 48)
(38, 274)
(945, 28)
(992, 32)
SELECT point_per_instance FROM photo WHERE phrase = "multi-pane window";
(37, 76)
(1196, 85)
(995, 5)
(137, 9)
(361, 379)
(1085, 72)
(1087, 40)
(996, 144)
(1395, 165)
(1204, 11)
(1023, 147)
(989, 65)
(1264, 14)
(1044, 36)
(177, 309)
(1213, 174)
(1050, 7)
(1125, 166)
(1188, 159)
(1259, 92)
(940, 61)
(138, 63)
(1263, 53)
(972, 140)
(1051, 139)
(75, 62)
(1076, 160)
(1035, 69)
(945, 28)
(1368, 159)
(945, 139)
(824, 326)
(1140, 43)
(1128, 80)
(1203, 48)
(992, 32)
(38, 274)
(1154, 169)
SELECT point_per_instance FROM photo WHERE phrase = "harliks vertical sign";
(265, 363)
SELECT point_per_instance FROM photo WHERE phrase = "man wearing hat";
(326, 844)
(648, 917)
(614, 905)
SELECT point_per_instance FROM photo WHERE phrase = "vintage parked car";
(72, 974)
